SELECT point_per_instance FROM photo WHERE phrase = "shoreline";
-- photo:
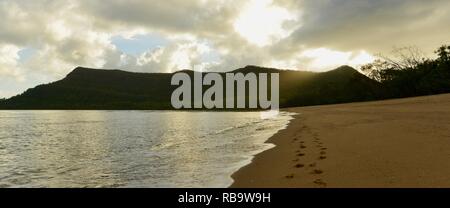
(268, 146)
(380, 144)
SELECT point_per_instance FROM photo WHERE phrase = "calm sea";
(129, 148)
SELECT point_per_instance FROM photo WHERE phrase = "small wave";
(238, 127)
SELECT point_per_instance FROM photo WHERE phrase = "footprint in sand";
(291, 176)
(299, 166)
(302, 146)
(300, 154)
(323, 153)
(320, 182)
(312, 165)
(317, 172)
(322, 157)
(323, 149)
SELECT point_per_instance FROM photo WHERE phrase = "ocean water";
(129, 148)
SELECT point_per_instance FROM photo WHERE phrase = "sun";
(262, 23)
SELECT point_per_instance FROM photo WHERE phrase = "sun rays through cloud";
(262, 23)
(44, 40)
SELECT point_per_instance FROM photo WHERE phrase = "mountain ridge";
(88, 88)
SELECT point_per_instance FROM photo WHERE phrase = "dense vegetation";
(407, 74)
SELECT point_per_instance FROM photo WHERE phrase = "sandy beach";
(392, 143)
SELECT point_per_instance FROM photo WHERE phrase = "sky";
(41, 41)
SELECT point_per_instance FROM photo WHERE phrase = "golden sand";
(392, 143)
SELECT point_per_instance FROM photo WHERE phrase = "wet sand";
(393, 143)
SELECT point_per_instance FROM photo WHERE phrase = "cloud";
(262, 23)
(171, 16)
(212, 35)
(375, 26)
(61, 38)
(9, 55)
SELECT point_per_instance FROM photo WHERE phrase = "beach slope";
(392, 143)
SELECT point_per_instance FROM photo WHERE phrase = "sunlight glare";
(261, 23)
(325, 59)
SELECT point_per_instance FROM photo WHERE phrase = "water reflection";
(128, 148)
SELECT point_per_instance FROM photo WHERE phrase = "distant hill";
(85, 88)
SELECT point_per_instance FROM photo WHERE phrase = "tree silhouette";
(443, 53)
(409, 73)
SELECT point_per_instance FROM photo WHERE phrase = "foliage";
(409, 73)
